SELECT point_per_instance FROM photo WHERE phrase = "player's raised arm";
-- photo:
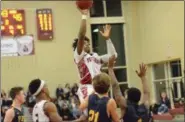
(82, 31)
(51, 111)
(120, 100)
(110, 47)
(146, 92)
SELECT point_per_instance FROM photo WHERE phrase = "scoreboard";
(44, 24)
(12, 22)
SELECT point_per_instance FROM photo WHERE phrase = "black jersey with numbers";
(136, 113)
(19, 115)
(97, 109)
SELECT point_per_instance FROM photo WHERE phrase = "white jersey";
(38, 114)
(89, 65)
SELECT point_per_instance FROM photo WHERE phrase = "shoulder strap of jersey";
(15, 109)
(22, 109)
(44, 102)
(143, 113)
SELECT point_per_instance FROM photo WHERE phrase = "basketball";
(84, 4)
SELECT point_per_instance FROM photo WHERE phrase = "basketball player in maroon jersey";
(89, 63)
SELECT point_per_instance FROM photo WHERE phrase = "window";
(167, 77)
(97, 9)
(174, 90)
(177, 88)
(175, 67)
(117, 37)
(99, 46)
(100, 12)
(121, 74)
(113, 8)
(159, 72)
(160, 87)
(106, 8)
(182, 87)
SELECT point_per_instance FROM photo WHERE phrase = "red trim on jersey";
(84, 72)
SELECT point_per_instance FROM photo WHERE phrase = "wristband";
(84, 16)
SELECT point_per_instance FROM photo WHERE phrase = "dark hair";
(101, 83)
(75, 85)
(161, 94)
(76, 41)
(15, 91)
(134, 95)
(67, 85)
(34, 85)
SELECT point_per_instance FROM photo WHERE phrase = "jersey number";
(93, 116)
(21, 119)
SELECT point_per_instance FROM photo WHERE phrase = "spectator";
(74, 89)
(6, 103)
(67, 88)
(75, 108)
(59, 109)
(71, 96)
(3, 108)
(67, 91)
(3, 93)
(65, 96)
(65, 113)
(59, 91)
(60, 101)
(164, 104)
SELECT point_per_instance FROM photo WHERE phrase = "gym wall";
(53, 60)
(150, 28)
(161, 30)
(155, 33)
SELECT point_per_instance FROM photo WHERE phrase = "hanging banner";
(17, 46)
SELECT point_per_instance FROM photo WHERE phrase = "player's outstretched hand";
(106, 31)
(142, 70)
(112, 61)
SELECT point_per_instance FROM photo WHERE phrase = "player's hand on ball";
(84, 11)
(112, 61)
(142, 72)
(106, 31)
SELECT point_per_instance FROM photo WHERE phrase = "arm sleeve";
(111, 51)
(105, 58)
(110, 48)
(78, 57)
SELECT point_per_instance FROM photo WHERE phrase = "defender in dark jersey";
(101, 108)
(15, 113)
(131, 110)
